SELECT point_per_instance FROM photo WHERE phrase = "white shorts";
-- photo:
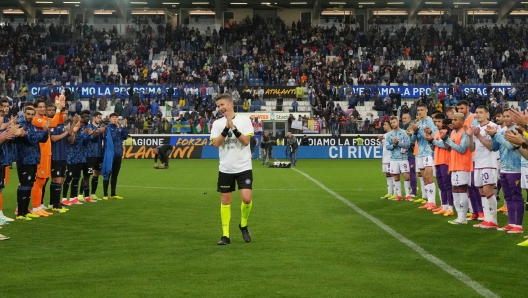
(424, 162)
(459, 178)
(399, 167)
(524, 178)
(484, 177)
(385, 168)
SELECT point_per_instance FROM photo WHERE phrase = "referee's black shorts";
(226, 182)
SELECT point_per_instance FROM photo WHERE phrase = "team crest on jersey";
(42, 172)
(39, 120)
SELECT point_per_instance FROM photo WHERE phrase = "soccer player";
(7, 134)
(115, 133)
(44, 167)
(510, 174)
(425, 160)
(460, 166)
(162, 152)
(231, 136)
(28, 157)
(406, 122)
(474, 195)
(59, 143)
(88, 151)
(385, 161)
(398, 143)
(499, 121)
(8, 150)
(96, 161)
(485, 165)
(75, 157)
(443, 177)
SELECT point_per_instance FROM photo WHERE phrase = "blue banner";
(211, 152)
(406, 91)
(314, 152)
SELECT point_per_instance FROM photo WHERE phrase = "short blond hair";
(459, 116)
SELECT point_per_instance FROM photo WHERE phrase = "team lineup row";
(45, 144)
(471, 159)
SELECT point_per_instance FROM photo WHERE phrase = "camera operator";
(305, 141)
(291, 147)
(265, 148)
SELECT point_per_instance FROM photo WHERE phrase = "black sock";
(23, 197)
(20, 202)
(85, 187)
(55, 192)
(65, 187)
(113, 185)
(105, 187)
(75, 187)
(95, 182)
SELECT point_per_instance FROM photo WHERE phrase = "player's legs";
(226, 186)
(66, 184)
(3, 218)
(419, 166)
(26, 176)
(116, 167)
(475, 200)
(58, 169)
(412, 172)
(43, 173)
(6, 177)
(390, 181)
(508, 199)
(460, 181)
(485, 180)
(443, 192)
(36, 193)
(517, 206)
(448, 187)
(245, 182)
(429, 186)
(85, 181)
(395, 174)
(95, 178)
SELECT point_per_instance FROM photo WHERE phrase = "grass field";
(160, 241)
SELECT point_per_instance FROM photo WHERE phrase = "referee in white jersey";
(231, 135)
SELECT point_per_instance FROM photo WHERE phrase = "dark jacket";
(28, 148)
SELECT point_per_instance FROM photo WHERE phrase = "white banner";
(297, 124)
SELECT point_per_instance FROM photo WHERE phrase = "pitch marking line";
(443, 265)
(258, 189)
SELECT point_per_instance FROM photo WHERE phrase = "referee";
(162, 152)
(231, 135)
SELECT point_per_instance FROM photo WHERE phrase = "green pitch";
(160, 241)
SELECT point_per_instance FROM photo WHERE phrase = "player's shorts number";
(485, 176)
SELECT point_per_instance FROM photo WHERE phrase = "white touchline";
(260, 189)
(443, 265)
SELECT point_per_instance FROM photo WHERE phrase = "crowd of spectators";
(199, 65)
